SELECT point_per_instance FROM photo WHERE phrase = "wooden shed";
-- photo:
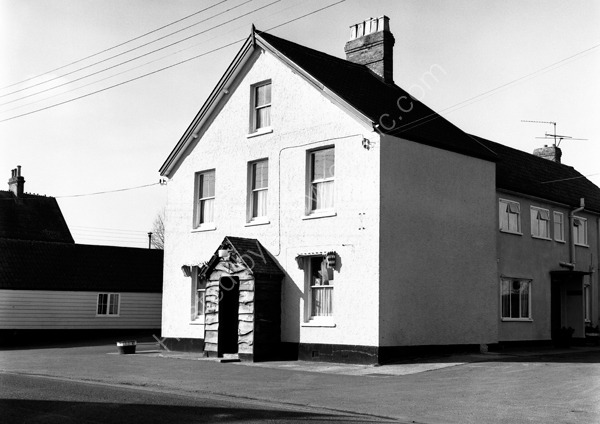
(243, 301)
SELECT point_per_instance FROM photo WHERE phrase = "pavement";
(517, 385)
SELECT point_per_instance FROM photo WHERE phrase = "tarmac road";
(36, 399)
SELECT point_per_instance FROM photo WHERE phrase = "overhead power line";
(166, 67)
(114, 47)
(134, 58)
(108, 191)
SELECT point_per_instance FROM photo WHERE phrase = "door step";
(229, 357)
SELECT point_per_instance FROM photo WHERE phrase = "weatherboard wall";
(52, 310)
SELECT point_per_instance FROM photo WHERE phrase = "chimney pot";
(371, 44)
(16, 183)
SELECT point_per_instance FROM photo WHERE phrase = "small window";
(259, 188)
(320, 282)
(261, 106)
(559, 226)
(510, 216)
(198, 296)
(580, 231)
(108, 304)
(322, 178)
(516, 299)
(205, 198)
(540, 223)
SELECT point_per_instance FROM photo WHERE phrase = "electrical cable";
(113, 47)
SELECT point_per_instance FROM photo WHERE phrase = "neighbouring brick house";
(378, 219)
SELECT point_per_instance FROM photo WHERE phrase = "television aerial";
(556, 137)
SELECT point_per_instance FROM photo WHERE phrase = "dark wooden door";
(228, 315)
(555, 309)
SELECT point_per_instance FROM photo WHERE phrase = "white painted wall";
(302, 119)
(438, 247)
(45, 309)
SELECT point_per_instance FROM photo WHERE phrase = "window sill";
(205, 227)
(107, 316)
(541, 238)
(322, 322)
(197, 322)
(511, 232)
(517, 319)
(559, 241)
(262, 131)
(257, 222)
(582, 245)
(317, 215)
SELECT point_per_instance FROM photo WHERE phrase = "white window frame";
(510, 207)
(254, 128)
(559, 226)
(251, 219)
(198, 289)
(109, 303)
(200, 223)
(312, 182)
(317, 320)
(510, 281)
(580, 228)
(540, 222)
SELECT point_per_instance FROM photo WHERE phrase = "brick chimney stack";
(16, 183)
(372, 44)
(552, 153)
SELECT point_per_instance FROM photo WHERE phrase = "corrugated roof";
(531, 175)
(36, 265)
(32, 217)
(374, 98)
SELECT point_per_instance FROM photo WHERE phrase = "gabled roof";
(32, 217)
(352, 86)
(37, 265)
(250, 253)
(531, 175)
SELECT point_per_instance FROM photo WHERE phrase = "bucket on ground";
(126, 347)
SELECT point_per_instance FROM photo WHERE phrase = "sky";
(495, 63)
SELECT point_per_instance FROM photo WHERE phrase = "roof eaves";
(208, 107)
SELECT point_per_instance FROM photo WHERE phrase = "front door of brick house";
(229, 293)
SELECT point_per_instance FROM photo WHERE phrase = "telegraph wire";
(113, 47)
(125, 71)
(132, 59)
(163, 68)
(108, 191)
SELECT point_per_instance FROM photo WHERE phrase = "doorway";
(229, 289)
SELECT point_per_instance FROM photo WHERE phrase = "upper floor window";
(322, 176)
(516, 299)
(108, 304)
(205, 198)
(261, 106)
(559, 226)
(540, 222)
(510, 216)
(580, 231)
(259, 188)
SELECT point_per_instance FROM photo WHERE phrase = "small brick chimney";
(16, 183)
(552, 153)
(372, 44)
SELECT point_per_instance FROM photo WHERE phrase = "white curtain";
(259, 204)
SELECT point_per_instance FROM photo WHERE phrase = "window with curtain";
(262, 106)
(516, 299)
(540, 222)
(559, 226)
(205, 198)
(320, 281)
(322, 177)
(510, 216)
(259, 174)
(198, 296)
(580, 231)
(108, 304)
